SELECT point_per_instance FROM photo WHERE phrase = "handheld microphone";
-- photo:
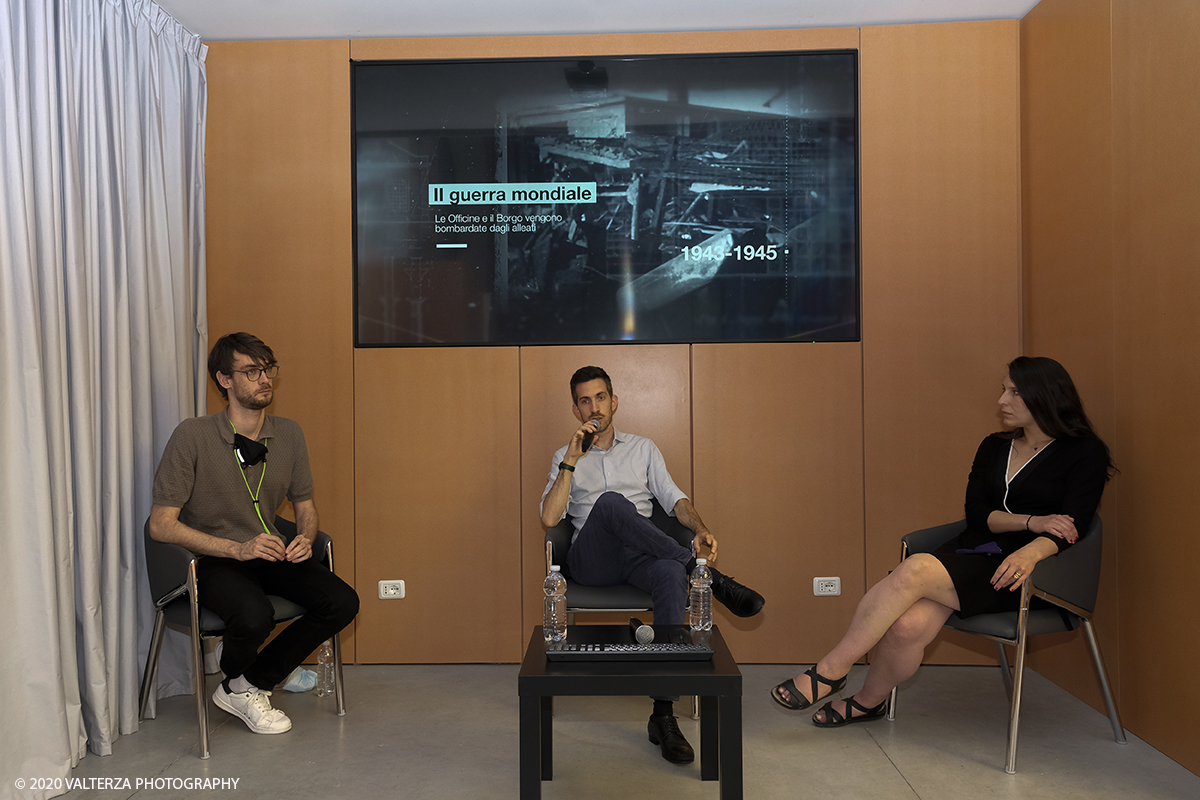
(590, 436)
(644, 634)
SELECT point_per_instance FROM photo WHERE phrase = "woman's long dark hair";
(1052, 400)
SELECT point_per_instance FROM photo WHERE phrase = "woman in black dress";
(1033, 490)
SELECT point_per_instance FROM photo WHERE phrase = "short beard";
(252, 402)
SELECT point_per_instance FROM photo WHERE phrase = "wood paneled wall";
(777, 434)
(604, 44)
(941, 273)
(438, 503)
(1112, 196)
(1156, 250)
(805, 459)
(277, 175)
(1068, 266)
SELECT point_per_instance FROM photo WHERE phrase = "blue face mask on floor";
(301, 680)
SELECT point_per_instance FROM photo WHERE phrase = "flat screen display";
(703, 198)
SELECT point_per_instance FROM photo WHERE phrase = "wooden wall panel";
(437, 479)
(653, 387)
(1066, 121)
(1110, 204)
(278, 244)
(926, 279)
(942, 300)
(1156, 189)
(604, 44)
(778, 444)
(941, 230)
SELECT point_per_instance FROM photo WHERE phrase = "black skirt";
(972, 575)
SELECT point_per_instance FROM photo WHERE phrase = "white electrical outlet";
(391, 590)
(827, 586)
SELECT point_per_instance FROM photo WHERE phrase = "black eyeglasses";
(252, 373)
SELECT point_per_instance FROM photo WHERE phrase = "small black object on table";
(718, 684)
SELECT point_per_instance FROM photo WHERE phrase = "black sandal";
(795, 700)
(834, 718)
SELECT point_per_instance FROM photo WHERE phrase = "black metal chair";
(599, 599)
(1068, 583)
(172, 572)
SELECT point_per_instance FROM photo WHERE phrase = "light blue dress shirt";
(632, 467)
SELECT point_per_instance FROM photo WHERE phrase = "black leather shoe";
(664, 731)
(742, 601)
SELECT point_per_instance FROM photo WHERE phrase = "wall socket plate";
(827, 587)
(391, 590)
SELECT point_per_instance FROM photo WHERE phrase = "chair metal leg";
(160, 623)
(198, 662)
(1114, 716)
(695, 706)
(1005, 670)
(1018, 678)
(339, 691)
(891, 709)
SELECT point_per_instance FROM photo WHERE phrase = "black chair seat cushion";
(1004, 625)
(178, 613)
(623, 597)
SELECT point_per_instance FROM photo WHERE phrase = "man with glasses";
(218, 485)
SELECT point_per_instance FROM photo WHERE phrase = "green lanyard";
(254, 495)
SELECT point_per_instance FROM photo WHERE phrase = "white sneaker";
(254, 709)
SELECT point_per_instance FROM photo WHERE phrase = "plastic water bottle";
(554, 612)
(700, 597)
(325, 668)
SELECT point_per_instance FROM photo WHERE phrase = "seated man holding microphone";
(604, 480)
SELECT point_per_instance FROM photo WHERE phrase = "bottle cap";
(555, 568)
(701, 562)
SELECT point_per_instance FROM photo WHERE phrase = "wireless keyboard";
(665, 651)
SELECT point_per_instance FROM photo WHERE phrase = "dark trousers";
(618, 545)
(236, 591)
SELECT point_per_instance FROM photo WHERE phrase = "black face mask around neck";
(249, 452)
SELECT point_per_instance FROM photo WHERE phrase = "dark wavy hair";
(220, 358)
(1052, 400)
(585, 374)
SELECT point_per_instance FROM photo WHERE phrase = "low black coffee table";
(718, 684)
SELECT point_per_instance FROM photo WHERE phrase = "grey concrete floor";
(450, 731)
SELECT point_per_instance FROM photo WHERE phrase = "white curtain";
(102, 348)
